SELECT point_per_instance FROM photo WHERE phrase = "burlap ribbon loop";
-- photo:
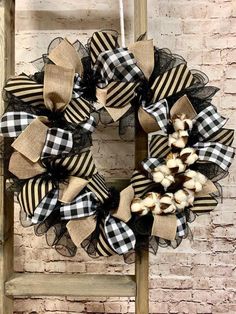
(66, 56)
(58, 86)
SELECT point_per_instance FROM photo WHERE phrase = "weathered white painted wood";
(87, 285)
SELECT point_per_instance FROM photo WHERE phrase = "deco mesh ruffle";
(59, 188)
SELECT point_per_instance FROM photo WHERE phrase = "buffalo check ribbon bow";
(115, 73)
(112, 233)
(209, 139)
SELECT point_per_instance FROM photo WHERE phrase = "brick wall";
(199, 276)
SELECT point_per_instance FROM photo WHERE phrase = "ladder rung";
(86, 285)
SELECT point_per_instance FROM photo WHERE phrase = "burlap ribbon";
(115, 236)
(209, 126)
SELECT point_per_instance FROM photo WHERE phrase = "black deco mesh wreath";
(57, 109)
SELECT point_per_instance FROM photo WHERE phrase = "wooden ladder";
(83, 285)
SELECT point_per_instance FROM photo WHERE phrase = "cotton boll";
(157, 209)
(144, 212)
(181, 122)
(162, 175)
(163, 168)
(175, 164)
(198, 186)
(191, 173)
(194, 180)
(188, 155)
(167, 181)
(190, 184)
(178, 139)
(136, 205)
(201, 178)
(167, 203)
(150, 199)
(181, 199)
(158, 176)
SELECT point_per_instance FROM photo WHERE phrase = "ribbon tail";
(120, 237)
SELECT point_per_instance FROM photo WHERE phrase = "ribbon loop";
(25, 89)
(172, 82)
(58, 85)
(116, 65)
(13, 123)
(217, 153)
(208, 122)
(83, 206)
(58, 141)
(120, 237)
(102, 41)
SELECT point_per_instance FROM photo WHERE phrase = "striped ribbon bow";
(32, 96)
(211, 140)
(102, 238)
(71, 183)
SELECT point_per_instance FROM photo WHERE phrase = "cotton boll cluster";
(175, 163)
(194, 180)
(168, 203)
(183, 198)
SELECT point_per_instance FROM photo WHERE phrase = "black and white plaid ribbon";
(89, 125)
(13, 123)
(58, 141)
(159, 111)
(151, 163)
(119, 235)
(77, 91)
(217, 153)
(45, 207)
(116, 65)
(208, 122)
(181, 224)
(83, 206)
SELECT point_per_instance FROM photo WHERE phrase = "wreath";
(52, 114)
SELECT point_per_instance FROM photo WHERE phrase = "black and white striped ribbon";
(25, 89)
(141, 184)
(120, 94)
(100, 42)
(172, 82)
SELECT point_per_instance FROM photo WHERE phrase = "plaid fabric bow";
(76, 195)
(206, 125)
(31, 95)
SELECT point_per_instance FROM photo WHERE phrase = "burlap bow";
(213, 148)
(113, 235)
(211, 141)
